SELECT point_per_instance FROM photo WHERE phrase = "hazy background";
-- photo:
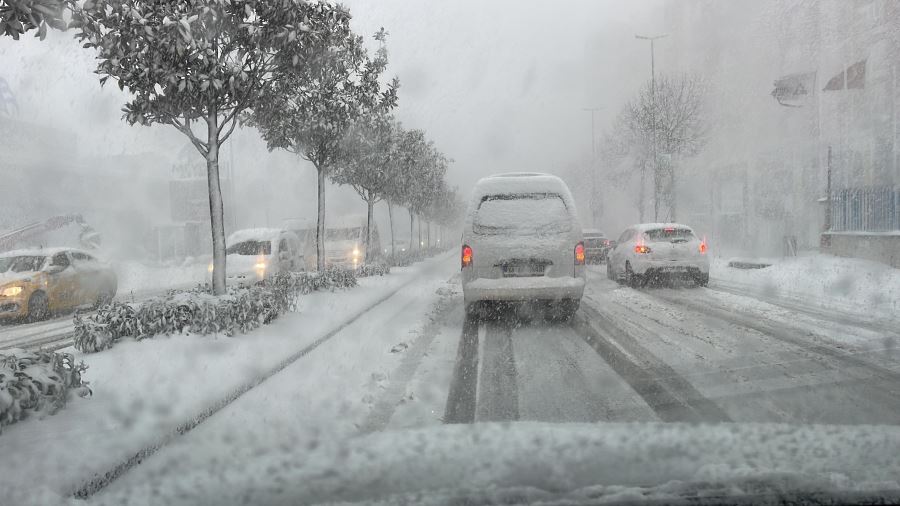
(499, 86)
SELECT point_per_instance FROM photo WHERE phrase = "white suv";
(654, 250)
(522, 242)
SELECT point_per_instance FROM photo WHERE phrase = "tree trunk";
(419, 220)
(642, 192)
(411, 226)
(216, 208)
(320, 222)
(428, 233)
(370, 204)
(391, 220)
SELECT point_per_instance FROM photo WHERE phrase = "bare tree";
(663, 123)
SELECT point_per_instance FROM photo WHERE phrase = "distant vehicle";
(305, 230)
(522, 242)
(257, 254)
(596, 246)
(655, 250)
(400, 246)
(36, 283)
(345, 242)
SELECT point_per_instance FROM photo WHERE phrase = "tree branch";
(186, 130)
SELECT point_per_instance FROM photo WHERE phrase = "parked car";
(257, 254)
(655, 250)
(36, 283)
(522, 242)
(345, 242)
(596, 246)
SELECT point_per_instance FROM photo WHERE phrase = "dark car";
(596, 246)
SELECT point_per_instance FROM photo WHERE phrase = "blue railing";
(873, 209)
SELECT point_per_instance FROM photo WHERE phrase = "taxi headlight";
(11, 291)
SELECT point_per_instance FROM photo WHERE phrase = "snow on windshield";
(668, 235)
(522, 214)
(250, 248)
(21, 264)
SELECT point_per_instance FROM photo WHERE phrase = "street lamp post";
(593, 168)
(656, 181)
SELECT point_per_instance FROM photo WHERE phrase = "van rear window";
(522, 214)
(672, 234)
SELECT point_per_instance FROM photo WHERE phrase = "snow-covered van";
(306, 233)
(522, 241)
(256, 254)
(345, 241)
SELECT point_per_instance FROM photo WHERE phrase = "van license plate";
(523, 270)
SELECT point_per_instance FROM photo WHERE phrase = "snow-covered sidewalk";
(144, 390)
(850, 285)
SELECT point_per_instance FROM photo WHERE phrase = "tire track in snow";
(789, 336)
(463, 388)
(671, 397)
(99, 482)
(498, 396)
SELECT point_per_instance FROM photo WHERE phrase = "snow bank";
(848, 284)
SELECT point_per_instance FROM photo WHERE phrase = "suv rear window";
(522, 214)
(250, 248)
(669, 235)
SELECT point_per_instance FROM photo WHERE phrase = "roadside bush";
(376, 269)
(37, 383)
(196, 311)
(406, 258)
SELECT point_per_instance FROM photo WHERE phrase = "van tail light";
(466, 256)
(579, 254)
(703, 246)
(640, 248)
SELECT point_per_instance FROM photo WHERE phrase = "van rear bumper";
(525, 288)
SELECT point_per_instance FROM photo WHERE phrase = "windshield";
(250, 248)
(522, 214)
(342, 234)
(22, 263)
(571, 252)
(669, 234)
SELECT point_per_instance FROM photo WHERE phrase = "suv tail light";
(640, 248)
(703, 247)
(579, 254)
(466, 256)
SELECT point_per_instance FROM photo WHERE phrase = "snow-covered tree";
(666, 120)
(20, 16)
(202, 63)
(310, 109)
(368, 164)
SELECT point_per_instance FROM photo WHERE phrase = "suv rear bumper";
(525, 288)
(666, 267)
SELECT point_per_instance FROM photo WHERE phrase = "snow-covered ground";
(845, 284)
(144, 390)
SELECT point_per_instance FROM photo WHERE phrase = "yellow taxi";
(36, 283)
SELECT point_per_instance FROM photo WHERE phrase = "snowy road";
(679, 354)
(411, 359)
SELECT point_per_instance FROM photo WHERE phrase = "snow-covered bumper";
(525, 288)
(671, 267)
(13, 307)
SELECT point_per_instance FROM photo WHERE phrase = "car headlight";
(211, 267)
(260, 266)
(11, 291)
(356, 252)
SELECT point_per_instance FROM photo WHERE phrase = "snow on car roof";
(255, 234)
(41, 252)
(520, 182)
(349, 221)
(652, 226)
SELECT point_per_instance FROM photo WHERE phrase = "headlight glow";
(356, 252)
(11, 291)
(210, 268)
(261, 266)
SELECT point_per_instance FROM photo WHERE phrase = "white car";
(522, 241)
(257, 254)
(655, 250)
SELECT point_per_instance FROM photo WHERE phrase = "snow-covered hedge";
(405, 258)
(37, 383)
(378, 269)
(198, 312)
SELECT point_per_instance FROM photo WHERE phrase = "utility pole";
(656, 178)
(593, 166)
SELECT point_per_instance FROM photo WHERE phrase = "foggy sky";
(499, 86)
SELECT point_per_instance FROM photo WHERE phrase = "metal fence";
(874, 209)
